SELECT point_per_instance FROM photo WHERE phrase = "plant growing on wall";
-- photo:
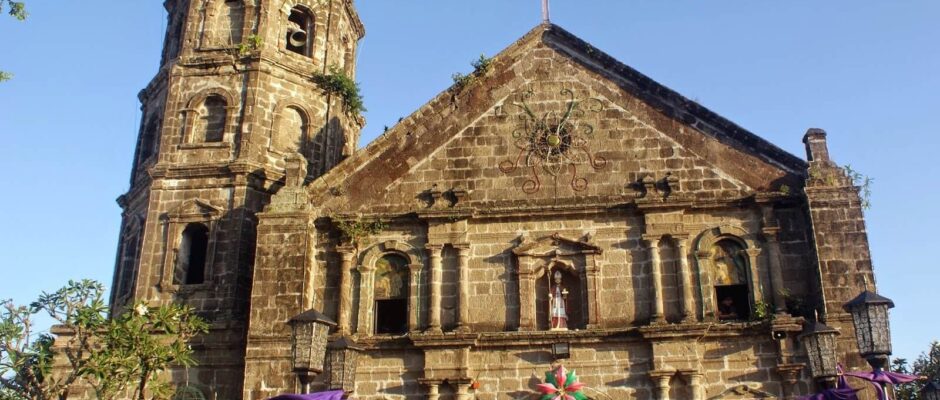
(250, 44)
(354, 231)
(481, 67)
(862, 182)
(762, 312)
(338, 83)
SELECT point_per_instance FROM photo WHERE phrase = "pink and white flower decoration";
(561, 385)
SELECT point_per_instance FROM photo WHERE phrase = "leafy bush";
(338, 83)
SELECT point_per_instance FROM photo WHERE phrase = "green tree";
(140, 344)
(927, 364)
(17, 9)
(26, 355)
(111, 355)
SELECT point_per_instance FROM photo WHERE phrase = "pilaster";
(463, 272)
(685, 277)
(434, 259)
(347, 254)
(656, 267)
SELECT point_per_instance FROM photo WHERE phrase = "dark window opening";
(733, 302)
(299, 33)
(391, 295)
(192, 255)
(212, 119)
(148, 141)
(391, 316)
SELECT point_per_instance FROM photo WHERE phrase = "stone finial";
(816, 147)
(295, 170)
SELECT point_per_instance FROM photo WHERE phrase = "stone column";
(790, 374)
(527, 306)
(345, 288)
(434, 391)
(592, 307)
(366, 299)
(463, 271)
(757, 292)
(414, 308)
(434, 319)
(703, 263)
(659, 315)
(685, 276)
(463, 391)
(661, 383)
(695, 382)
(776, 275)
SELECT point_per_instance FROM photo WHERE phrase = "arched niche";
(290, 131)
(222, 23)
(577, 259)
(374, 260)
(573, 297)
(125, 276)
(727, 263)
(180, 224)
(200, 126)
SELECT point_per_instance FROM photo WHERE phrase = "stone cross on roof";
(546, 12)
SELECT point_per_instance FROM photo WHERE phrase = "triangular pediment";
(555, 245)
(741, 392)
(556, 123)
(195, 208)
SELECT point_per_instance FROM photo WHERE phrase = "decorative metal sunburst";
(554, 143)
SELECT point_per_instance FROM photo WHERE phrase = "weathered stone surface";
(627, 188)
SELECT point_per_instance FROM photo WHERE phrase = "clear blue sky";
(866, 71)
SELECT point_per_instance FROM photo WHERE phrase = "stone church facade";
(689, 249)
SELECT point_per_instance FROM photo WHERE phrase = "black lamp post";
(344, 355)
(872, 328)
(819, 340)
(931, 391)
(309, 331)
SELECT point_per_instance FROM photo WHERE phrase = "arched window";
(391, 295)
(210, 125)
(223, 23)
(299, 32)
(127, 267)
(731, 270)
(149, 140)
(291, 130)
(191, 258)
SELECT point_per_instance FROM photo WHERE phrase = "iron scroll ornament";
(554, 143)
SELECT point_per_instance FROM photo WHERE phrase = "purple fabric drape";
(888, 378)
(879, 378)
(333, 395)
(842, 391)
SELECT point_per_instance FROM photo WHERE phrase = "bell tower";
(234, 98)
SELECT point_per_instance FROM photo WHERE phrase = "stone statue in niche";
(557, 299)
